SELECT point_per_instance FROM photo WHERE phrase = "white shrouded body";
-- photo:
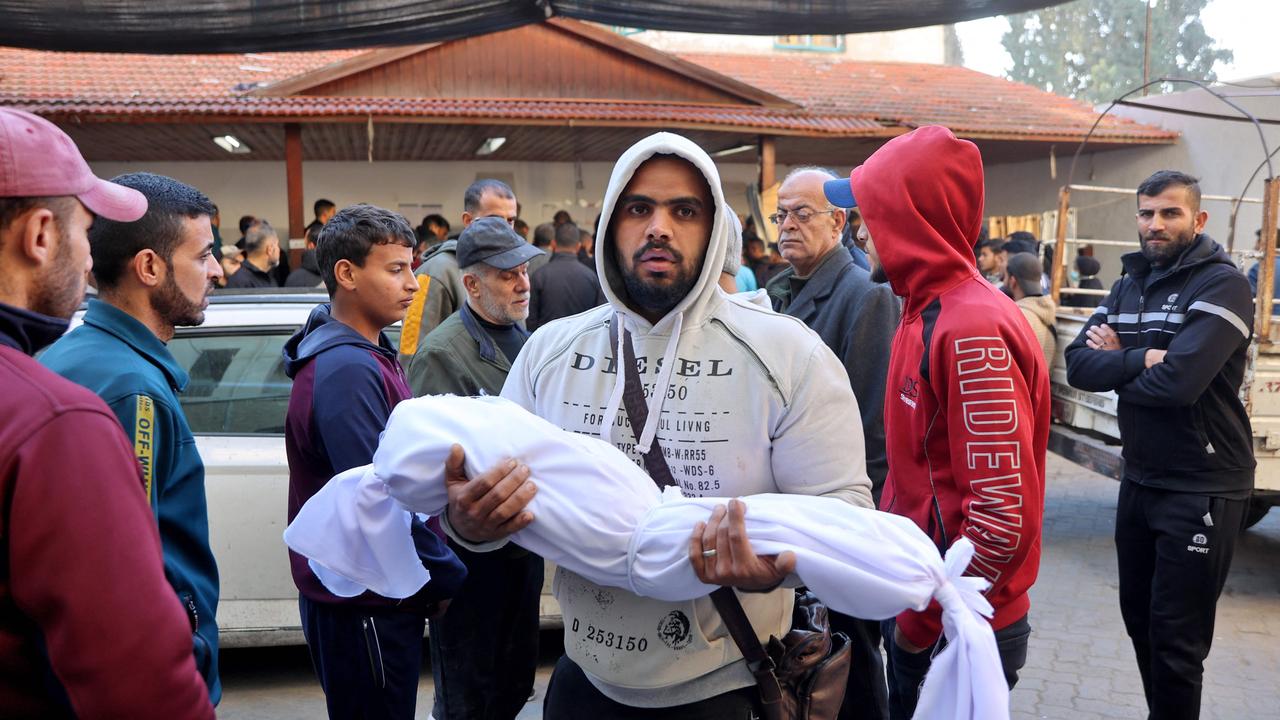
(600, 516)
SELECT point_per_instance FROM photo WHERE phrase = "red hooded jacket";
(967, 404)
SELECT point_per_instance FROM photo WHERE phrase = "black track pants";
(1174, 550)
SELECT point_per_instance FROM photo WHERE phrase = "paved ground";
(1080, 664)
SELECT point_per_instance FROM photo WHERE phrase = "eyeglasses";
(802, 215)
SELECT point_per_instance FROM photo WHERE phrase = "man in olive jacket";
(484, 651)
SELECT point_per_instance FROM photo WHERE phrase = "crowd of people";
(885, 359)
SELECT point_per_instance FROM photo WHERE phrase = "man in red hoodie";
(967, 411)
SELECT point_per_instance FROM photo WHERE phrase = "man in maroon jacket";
(89, 627)
(967, 410)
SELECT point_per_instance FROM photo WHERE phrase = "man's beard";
(174, 307)
(59, 293)
(655, 298)
(878, 274)
(1163, 256)
(499, 314)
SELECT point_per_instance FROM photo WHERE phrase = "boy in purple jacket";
(367, 650)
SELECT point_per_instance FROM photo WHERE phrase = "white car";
(236, 402)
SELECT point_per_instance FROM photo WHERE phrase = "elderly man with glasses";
(856, 318)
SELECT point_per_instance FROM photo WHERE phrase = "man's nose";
(660, 224)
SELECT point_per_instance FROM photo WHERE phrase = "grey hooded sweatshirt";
(741, 400)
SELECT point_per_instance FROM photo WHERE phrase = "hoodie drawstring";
(644, 440)
(619, 383)
(660, 390)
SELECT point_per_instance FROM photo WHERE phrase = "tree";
(1092, 49)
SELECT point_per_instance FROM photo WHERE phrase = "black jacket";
(1182, 424)
(561, 288)
(249, 276)
(308, 275)
(857, 319)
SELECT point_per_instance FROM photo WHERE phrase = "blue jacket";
(1253, 279)
(124, 363)
(344, 388)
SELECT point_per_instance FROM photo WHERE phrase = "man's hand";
(732, 563)
(1102, 337)
(901, 641)
(490, 506)
(1154, 357)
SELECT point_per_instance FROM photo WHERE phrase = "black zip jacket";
(1182, 424)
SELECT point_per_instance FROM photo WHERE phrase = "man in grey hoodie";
(738, 400)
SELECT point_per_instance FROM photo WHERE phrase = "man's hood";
(448, 246)
(1041, 306)
(921, 196)
(322, 332)
(694, 305)
(311, 261)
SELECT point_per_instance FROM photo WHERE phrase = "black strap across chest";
(725, 601)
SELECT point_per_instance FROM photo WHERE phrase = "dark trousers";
(368, 660)
(866, 695)
(1173, 564)
(571, 696)
(484, 651)
(906, 670)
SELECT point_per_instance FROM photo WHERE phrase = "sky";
(1246, 27)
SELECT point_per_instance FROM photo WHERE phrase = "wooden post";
(1060, 248)
(293, 179)
(768, 171)
(1266, 267)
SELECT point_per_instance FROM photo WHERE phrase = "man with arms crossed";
(1171, 339)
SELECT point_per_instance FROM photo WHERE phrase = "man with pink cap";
(88, 625)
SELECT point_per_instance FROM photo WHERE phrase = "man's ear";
(1202, 217)
(344, 271)
(472, 284)
(38, 236)
(466, 219)
(840, 216)
(148, 267)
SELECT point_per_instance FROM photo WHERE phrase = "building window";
(819, 43)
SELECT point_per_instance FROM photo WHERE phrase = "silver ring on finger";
(709, 553)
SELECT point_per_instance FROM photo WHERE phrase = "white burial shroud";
(599, 515)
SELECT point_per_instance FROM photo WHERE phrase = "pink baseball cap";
(38, 160)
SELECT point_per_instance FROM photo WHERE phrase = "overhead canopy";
(215, 26)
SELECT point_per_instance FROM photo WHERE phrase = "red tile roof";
(839, 98)
(498, 109)
(971, 103)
